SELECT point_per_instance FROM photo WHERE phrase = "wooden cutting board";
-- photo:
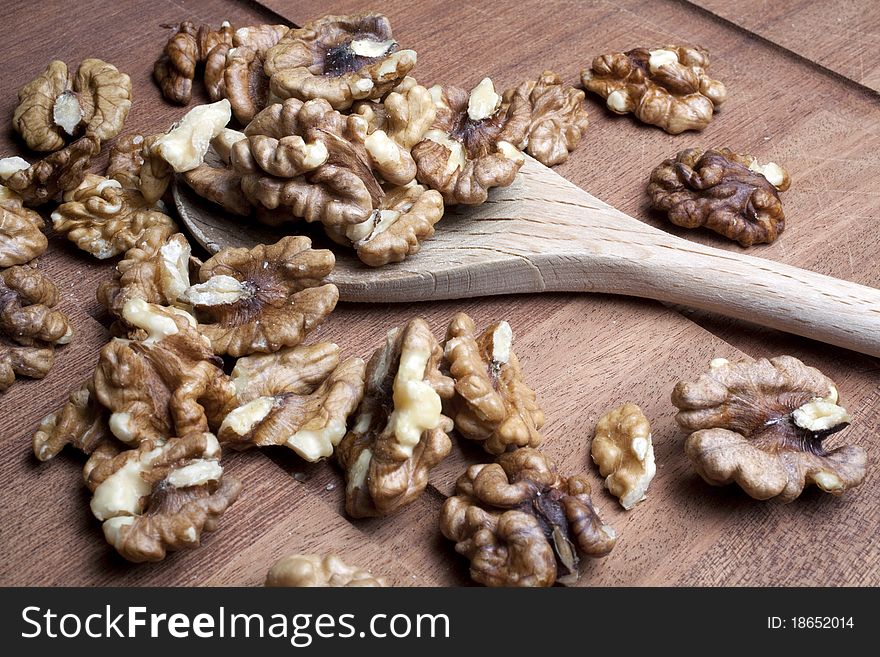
(582, 353)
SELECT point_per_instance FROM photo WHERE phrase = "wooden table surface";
(802, 92)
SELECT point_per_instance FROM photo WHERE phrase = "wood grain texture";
(582, 353)
(843, 36)
(544, 234)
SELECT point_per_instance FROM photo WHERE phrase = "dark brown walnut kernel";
(726, 192)
(21, 234)
(399, 432)
(81, 422)
(188, 47)
(59, 172)
(521, 524)
(763, 425)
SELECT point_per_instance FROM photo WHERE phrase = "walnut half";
(624, 452)
(399, 432)
(521, 524)
(762, 424)
(313, 570)
(724, 191)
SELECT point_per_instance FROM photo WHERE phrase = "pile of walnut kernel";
(215, 354)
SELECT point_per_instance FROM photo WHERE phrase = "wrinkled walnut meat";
(104, 219)
(265, 298)
(136, 166)
(155, 269)
(726, 192)
(160, 496)
(521, 524)
(338, 58)
(399, 432)
(43, 181)
(245, 83)
(81, 422)
(396, 230)
(405, 114)
(311, 570)
(470, 147)
(21, 235)
(300, 397)
(762, 425)
(52, 107)
(492, 404)
(188, 47)
(215, 180)
(667, 87)
(170, 383)
(317, 163)
(558, 117)
(29, 327)
(624, 452)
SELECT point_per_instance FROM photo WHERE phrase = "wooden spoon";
(544, 234)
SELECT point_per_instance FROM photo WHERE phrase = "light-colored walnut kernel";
(185, 145)
(624, 452)
(311, 570)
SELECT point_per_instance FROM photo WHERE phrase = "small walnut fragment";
(169, 383)
(521, 524)
(399, 432)
(558, 117)
(667, 87)
(186, 49)
(318, 164)
(303, 403)
(215, 179)
(395, 230)
(729, 193)
(471, 146)
(311, 570)
(185, 145)
(160, 496)
(29, 326)
(338, 58)
(265, 298)
(492, 403)
(405, 114)
(43, 181)
(21, 235)
(53, 107)
(155, 269)
(623, 450)
(136, 166)
(762, 424)
(105, 219)
(81, 422)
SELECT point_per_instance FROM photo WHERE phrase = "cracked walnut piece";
(667, 87)
(188, 47)
(43, 181)
(558, 121)
(216, 180)
(160, 496)
(492, 404)
(81, 422)
(521, 524)
(21, 235)
(52, 107)
(405, 114)
(399, 431)
(104, 219)
(184, 146)
(314, 570)
(322, 165)
(29, 327)
(624, 452)
(724, 191)
(155, 269)
(303, 402)
(338, 58)
(761, 424)
(395, 230)
(245, 82)
(265, 298)
(470, 147)
(170, 383)
(136, 166)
